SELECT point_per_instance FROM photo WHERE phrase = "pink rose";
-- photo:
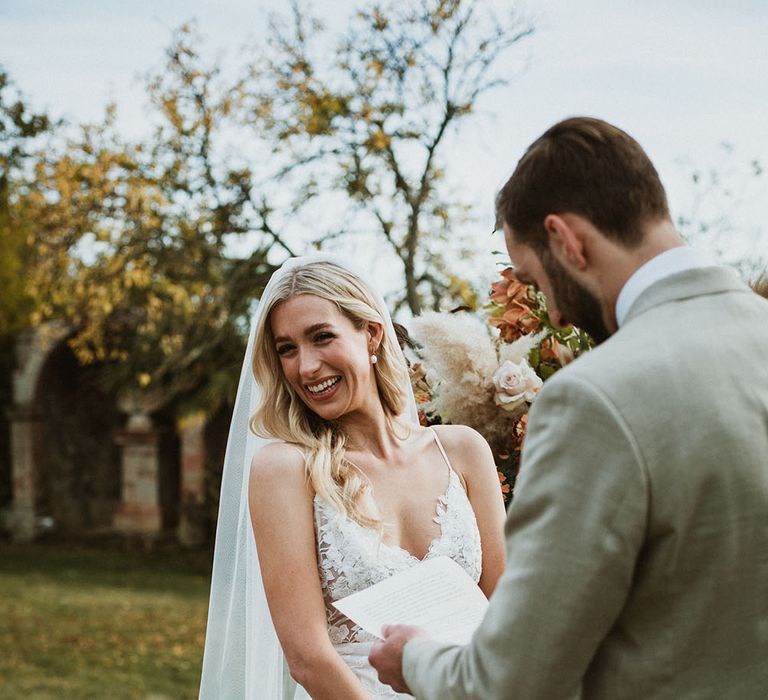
(515, 383)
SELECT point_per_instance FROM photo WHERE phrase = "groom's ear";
(566, 240)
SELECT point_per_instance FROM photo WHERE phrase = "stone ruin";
(79, 466)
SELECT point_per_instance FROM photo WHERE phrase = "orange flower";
(509, 288)
(499, 292)
(521, 315)
(517, 320)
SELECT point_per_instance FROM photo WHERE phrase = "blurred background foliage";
(151, 251)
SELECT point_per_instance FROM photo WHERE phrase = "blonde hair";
(282, 414)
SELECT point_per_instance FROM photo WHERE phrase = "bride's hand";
(387, 654)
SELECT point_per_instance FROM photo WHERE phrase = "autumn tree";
(371, 119)
(153, 250)
(19, 129)
(135, 241)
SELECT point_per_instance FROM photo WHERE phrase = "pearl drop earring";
(374, 359)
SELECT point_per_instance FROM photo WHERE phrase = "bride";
(337, 487)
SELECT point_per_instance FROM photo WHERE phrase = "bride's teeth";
(322, 387)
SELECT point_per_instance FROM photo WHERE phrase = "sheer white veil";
(242, 658)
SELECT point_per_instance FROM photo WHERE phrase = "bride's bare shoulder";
(461, 438)
(467, 449)
(278, 461)
(281, 504)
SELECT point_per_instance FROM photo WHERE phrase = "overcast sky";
(682, 76)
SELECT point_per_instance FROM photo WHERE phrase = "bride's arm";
(280, 503)
(472, 458)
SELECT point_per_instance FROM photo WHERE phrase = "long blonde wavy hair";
(282, 414)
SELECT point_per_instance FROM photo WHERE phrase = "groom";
(637, 541)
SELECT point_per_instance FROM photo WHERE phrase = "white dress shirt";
(670, 262)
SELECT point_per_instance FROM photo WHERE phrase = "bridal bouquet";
(486, 372)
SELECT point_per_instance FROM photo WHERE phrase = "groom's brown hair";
(588, 167)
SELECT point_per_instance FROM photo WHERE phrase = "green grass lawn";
(86, 622)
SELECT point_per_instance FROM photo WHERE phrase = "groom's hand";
(387, 654)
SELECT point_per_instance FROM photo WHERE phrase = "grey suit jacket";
(637, 540)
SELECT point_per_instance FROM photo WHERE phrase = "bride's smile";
(323, 389)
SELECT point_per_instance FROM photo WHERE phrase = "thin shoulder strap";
(441, 448)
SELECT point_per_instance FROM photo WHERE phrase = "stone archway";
(76, 463)
(77, 466)
(65, 464)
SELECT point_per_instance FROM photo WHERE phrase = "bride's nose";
(309, 363)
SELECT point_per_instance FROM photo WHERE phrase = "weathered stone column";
(192, 531)
(32, 349)
(24, 427)
(139, 510)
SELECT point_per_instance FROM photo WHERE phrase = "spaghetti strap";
(441, 448)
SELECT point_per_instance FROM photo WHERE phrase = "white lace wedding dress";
(352, 557)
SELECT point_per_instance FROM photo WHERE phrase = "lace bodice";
(352, 557)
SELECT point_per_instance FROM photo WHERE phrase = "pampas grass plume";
(520, 349)
(459, 349)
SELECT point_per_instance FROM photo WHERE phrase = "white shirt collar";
(670, 262)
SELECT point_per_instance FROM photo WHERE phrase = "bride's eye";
(324, 337)
(284, 349)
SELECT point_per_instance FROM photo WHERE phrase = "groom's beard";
(577, 304)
